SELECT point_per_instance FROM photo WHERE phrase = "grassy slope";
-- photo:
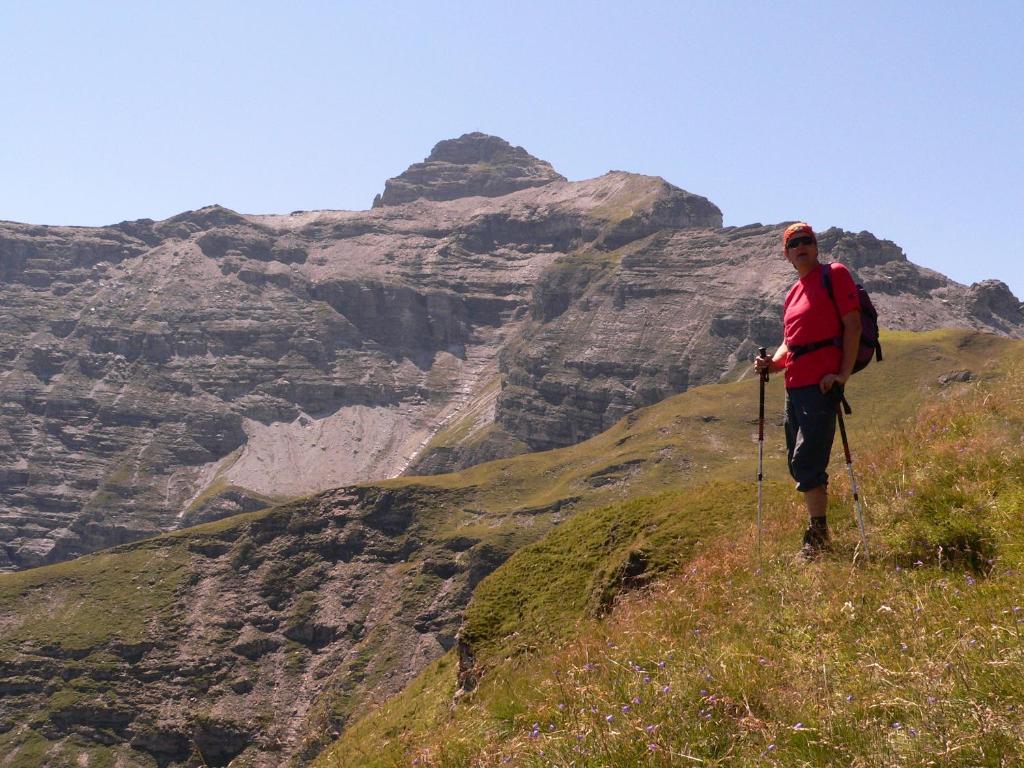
(706, 434)
(80, 610)
(108, 596)
(915, 658)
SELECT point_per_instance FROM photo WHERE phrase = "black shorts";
(810, 429)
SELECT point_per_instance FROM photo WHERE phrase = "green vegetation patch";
(577, 569)
(78, 605)
(25, 748)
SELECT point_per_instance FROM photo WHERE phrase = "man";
(818, 351)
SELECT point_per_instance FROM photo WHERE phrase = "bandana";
(800, 228)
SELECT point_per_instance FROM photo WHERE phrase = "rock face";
(473, 164)
(157, 374)
(617, 331)
(276, 631)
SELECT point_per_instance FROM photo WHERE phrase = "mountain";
(155, 375)
(257, 639)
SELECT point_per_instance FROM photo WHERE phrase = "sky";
(903, 119)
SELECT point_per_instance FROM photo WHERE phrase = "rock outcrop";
(157, 374)
(473, 164)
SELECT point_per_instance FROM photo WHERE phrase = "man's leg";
(816, 500)
(816, 536)
(810, 428)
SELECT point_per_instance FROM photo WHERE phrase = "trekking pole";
(760, 450)
(853, 480)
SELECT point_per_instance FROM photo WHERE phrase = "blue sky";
(899, 118)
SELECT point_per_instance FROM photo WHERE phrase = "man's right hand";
(762, 364)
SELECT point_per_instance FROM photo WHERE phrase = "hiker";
(819, 348)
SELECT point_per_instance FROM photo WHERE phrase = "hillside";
(159, 374)
(261, 637)
(706, 655)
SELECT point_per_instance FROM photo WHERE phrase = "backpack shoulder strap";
(826, 280)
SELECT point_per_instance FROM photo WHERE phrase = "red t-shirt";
(809, 315)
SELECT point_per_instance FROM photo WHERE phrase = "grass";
(914, 658)
(80, 604)
(580, 567)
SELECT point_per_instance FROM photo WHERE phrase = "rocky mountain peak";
(207, 217)
(475, 164)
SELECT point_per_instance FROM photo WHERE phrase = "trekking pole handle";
(763, 352)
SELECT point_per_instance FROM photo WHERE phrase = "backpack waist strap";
(798, 350)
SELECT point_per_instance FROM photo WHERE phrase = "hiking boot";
(816, 541)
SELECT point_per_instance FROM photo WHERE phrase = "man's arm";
(779, 358)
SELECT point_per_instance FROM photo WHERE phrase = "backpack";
(869, 344)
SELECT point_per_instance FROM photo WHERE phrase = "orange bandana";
(800, 228)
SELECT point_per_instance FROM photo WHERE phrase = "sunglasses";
(796, 242)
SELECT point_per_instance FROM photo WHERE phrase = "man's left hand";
(830, 379)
